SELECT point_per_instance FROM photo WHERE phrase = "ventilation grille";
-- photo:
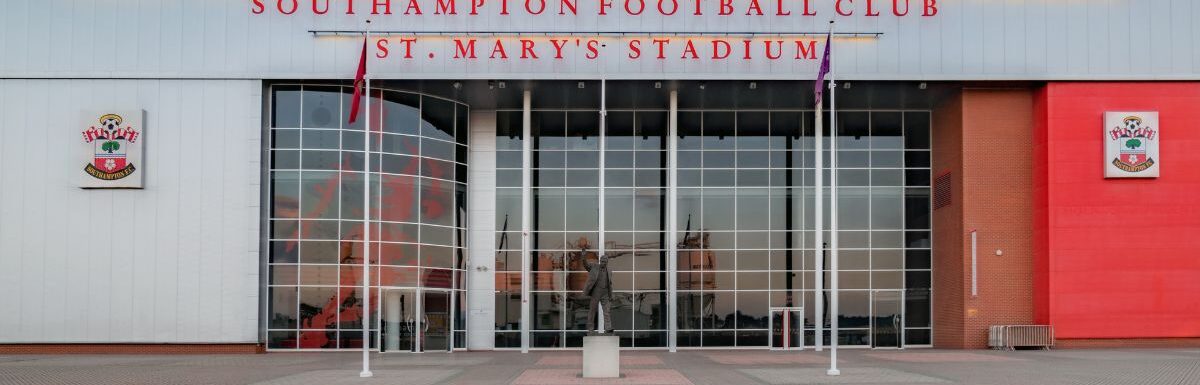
(942, 196)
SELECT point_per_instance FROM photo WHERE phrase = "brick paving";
(940, 357)
(752, 358)
(695, 367)
(628, 377)
(577, 360)
(850, 376)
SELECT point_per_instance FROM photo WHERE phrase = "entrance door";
(887, 306)
(435, 323)
(787, 328)
(416, 320)
(399, 320)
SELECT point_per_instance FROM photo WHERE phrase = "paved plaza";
(703, 367)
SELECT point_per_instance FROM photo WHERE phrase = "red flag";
(359, 79)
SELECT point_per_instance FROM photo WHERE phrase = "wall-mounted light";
(847, 85)
(581, 85)
(754, 85)
(502, 85)
(491, 84)
(703, 85)
(458, 85)
(923, 85)
(657, 85)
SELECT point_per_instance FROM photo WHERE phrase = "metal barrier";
(1020, 336)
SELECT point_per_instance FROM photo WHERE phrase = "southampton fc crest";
(113, 148)
(1131, 148)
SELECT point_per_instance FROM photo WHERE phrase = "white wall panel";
(966, 40)
(174, 262)
(481, 237)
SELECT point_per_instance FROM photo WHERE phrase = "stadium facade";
(183, 176)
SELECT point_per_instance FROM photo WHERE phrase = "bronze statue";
(599, 289)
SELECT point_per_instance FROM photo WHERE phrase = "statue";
(599, 289)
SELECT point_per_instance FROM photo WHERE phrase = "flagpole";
(819, 214)
(366, 265)
(833, 219)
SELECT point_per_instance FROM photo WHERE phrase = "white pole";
(672, 223)
(819, 215)
(833, 223)
(526, 212)
(601, 249)
(366, 264)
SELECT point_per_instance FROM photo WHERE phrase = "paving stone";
(629, 377)
(577, 360)
(756, 358)
(96, 360)
(940, 357)
(695, 367)
(807, 376)
(439, 359)
(350, 377)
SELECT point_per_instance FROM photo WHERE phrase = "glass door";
(416, 320)
(787, 328)
(399, 320)
(887, 308)
(435, 321)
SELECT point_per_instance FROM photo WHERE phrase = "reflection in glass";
(323, 190)
(322, 106)
(743, 211)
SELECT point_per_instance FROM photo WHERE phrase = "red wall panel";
(1116, 258)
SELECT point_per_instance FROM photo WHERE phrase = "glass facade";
(744, 219)
(315, 238)
(740, 178)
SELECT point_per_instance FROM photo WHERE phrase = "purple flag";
(819, 88)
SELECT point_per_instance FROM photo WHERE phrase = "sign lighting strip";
(333, 32)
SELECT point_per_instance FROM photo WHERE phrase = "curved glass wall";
(418, 198)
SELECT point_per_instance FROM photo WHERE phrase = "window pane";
(916, 130)
(285, 107)
(752, 130)
(437, 201)
(886, 130)
(651, 130)
(690, 131)
(583, 130)
(719, 131)
(509, 130)
(853, 130)
(322, 106)
(437, 118)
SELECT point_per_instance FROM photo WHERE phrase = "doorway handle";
(425, 323)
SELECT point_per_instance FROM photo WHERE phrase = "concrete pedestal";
(601, 356)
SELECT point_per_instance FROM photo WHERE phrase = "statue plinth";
(601, 356)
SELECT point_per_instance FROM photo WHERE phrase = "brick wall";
(983, 138)
(947, 227)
